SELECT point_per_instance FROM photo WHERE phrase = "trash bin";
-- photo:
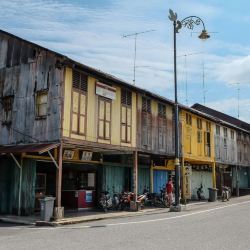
(212, 194)
(46, 207)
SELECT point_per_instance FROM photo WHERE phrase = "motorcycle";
(105, 201)
(225, 195)
(200, 193)
(126, 198)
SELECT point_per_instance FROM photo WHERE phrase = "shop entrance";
(80, 186)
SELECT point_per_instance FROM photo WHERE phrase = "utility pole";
(135, 48)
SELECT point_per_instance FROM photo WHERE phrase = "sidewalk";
(87, 216)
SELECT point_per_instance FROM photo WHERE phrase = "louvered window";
(80, 81)
(7, 103)
(79, 102)
(162, 126)
(146, 105)
(126, 115)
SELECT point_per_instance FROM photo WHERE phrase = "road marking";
(163, 219)
(133, 222)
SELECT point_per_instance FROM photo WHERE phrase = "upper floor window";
(225, 132)
(161, 110)
(41, 103)
(232, 134)
(79, 102)
(208, 126)
(199, 123)
(146, 105)
(188, 119)
(217, 130)
(79, 81)
(126, 115)
(7, 103)
(104, 116)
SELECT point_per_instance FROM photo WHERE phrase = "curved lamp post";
(188, 22)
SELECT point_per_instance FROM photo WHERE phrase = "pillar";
(135, 174)
(152, 177)
(59, 211)
(214, 174)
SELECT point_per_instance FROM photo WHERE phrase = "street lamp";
(189, 22)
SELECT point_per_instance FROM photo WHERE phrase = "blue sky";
(91, 32)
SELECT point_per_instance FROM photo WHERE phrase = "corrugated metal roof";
(27, 148)
(224, 117)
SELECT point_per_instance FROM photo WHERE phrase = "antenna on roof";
(135, 37)
(238, 95)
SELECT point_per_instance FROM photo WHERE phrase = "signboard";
(187, 172)
(105, 90)
(68, 154)
(86, 156)
(89, 197)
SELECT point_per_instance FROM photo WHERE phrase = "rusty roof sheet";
(27, 148)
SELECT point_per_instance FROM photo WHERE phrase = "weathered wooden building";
(232, 150)
(70, 131)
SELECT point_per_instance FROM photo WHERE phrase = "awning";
(27, 148)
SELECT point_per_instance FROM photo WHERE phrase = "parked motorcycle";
(105, 201)
(126, 198)
(200, 193)
(226, 192)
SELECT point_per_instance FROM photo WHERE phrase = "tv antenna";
(135, 37)
(238, 95)
(186, 72)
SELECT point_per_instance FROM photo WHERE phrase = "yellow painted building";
(198, 149)
(98, 112)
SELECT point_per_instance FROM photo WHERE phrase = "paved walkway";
(73, 217)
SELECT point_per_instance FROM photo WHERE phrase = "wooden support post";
(237, 181)
(135, 175)
(182, 180)
(59, 212)
(214, 174)
(152, 177)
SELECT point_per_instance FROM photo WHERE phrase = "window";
(79, 97)
(217, 130)
(126, 115)
(7, 103)
(41, 103)
(199, 123)
(161, 110)
(104, 118)
(199, 136)
(188, 119)
(146, 105)
(146, 123)
(225, 132)
(162, 126)
(208, 126)
(232, 134)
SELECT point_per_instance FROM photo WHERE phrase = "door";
(160, 180)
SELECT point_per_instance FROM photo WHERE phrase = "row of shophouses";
(71, 131)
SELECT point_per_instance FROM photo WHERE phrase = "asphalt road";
(209, 226)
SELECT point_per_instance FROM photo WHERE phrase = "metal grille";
(146, 105)
(161, 110)
(126, 97)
